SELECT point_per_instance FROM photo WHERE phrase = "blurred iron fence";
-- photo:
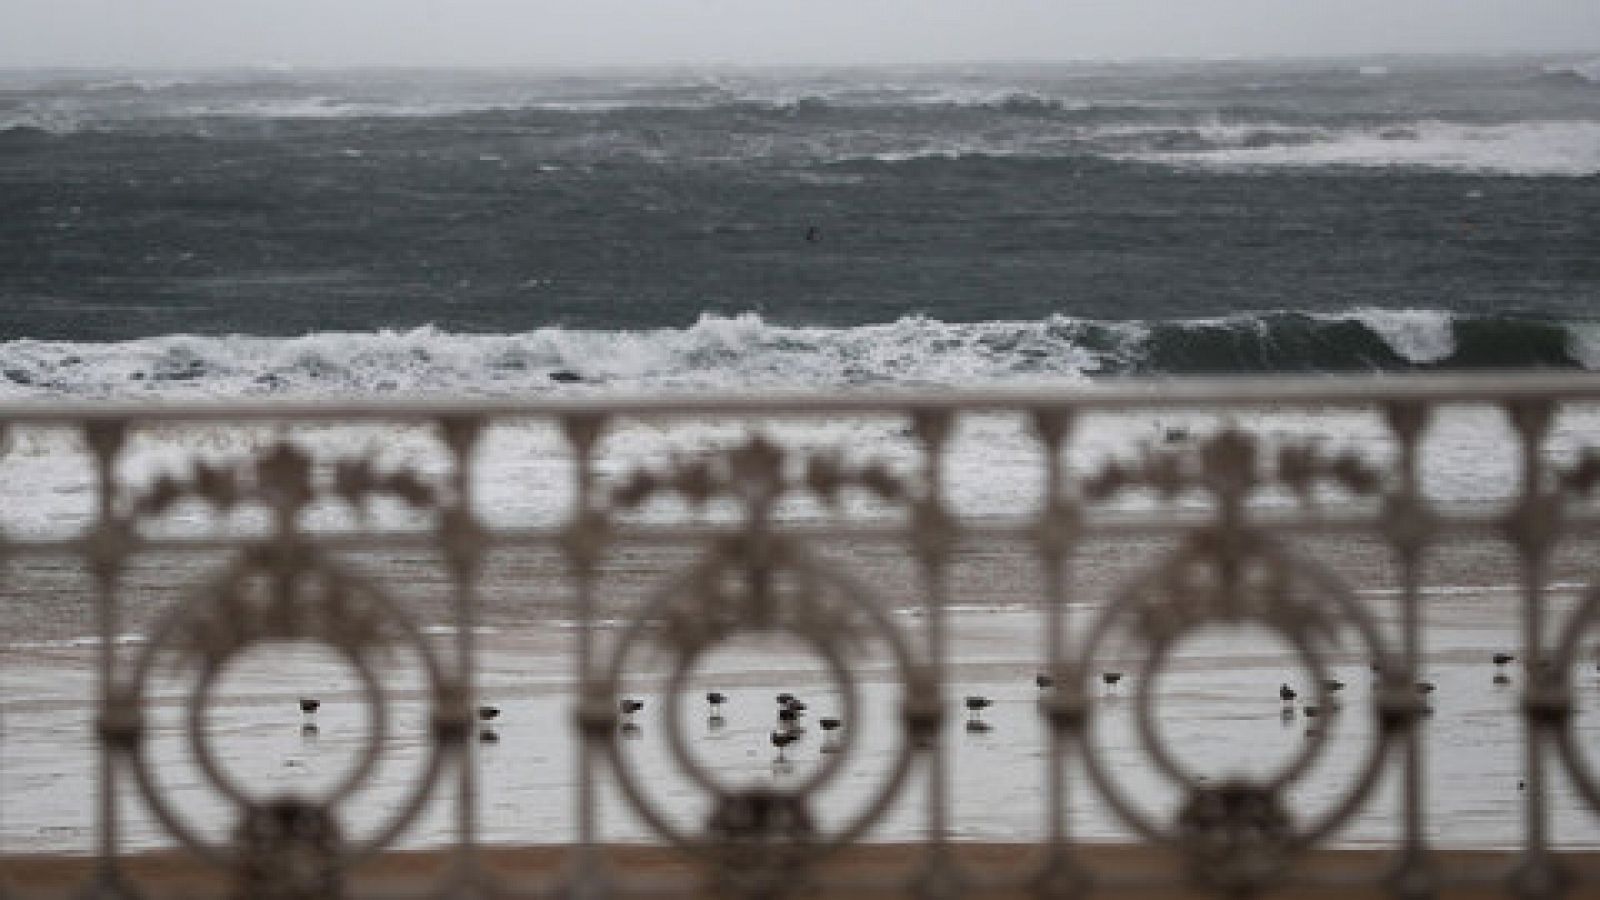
(1229, 562)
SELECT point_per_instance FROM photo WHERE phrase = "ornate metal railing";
(1217, 524)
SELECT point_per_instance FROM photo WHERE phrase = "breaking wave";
(1587, 72)
(745, 352)
(1562, 148)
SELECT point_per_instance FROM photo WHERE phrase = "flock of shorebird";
(791, 710)
(788, 730)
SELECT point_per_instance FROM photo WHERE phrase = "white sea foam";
(1548, 147)
(1588, 70)
(1533, 148)
(715, 353)
(1583, 343)
(1419, 335)
(993, 467)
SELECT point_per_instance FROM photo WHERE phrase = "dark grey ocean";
(260, 232)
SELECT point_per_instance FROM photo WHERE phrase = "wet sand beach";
(1216, 702)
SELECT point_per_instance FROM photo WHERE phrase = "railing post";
(1061, 702)
(1407, 527)
(584, 544)
(106, 547)
(932, 540)
(1533, 526)
(462, 541)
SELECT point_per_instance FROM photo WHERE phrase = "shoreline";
(984, 573)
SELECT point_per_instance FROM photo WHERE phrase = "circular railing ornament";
(759, 838)
(1237, 836)
(287, 845)
(752, 580)
(1549, 705)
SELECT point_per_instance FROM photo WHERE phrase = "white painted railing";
(1210, 526)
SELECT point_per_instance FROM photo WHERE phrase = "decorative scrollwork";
(763, 841)
(753, 581)
(279, 589)
(778, 590)
(754, 473)
(1239, 835)
(1255, 582)
(1548, 697)
(281, 479)
(288, 850)
(1232, 562)
(1548, 700)
(1229, 465)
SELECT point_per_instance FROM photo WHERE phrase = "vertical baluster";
(932, 537)
(583, 545)
(1062, 704)
(462, 540)
(1532, 527)
(106, 553)
(1407, 528)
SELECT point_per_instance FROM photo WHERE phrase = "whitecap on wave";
(1418, 335)
(1588, 70)
(1533, 148)
(746, 352)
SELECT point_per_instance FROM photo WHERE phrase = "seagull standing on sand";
(628, 706)
(975, 707)
(486, 733)
(782, 739)
(789, 719)
(830, 742)
(1286, 694)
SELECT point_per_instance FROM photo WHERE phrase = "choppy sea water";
(305, 235)
(1055, 221)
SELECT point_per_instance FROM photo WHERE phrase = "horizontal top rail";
(1090, 396)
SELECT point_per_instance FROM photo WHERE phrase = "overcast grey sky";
(566, 33)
